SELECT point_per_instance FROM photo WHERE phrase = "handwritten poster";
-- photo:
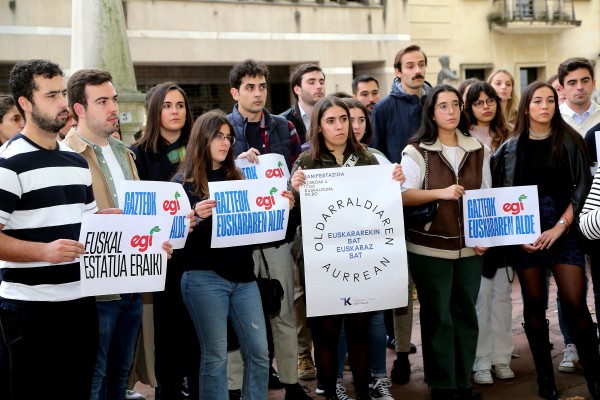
(248, 211)
(353, 240)
(158, 198)
(501, 216)
(123, 253)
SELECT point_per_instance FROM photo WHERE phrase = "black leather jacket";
(504, 164)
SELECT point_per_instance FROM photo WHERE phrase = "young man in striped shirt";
(45, 189)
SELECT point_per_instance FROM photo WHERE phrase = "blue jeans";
(211, 300)
(378, 341)
(119, 324)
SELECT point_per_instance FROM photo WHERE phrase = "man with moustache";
(395, 119)
(50, 330)
(365, 88)
(398, 116)
(93, 99)
(308, 86)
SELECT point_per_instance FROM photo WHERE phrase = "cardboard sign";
(123, 253)
(158, 198)
(353, 239)
(248, 211)
(269, 166)
(501, 216)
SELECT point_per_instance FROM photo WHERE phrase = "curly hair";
(21, 80)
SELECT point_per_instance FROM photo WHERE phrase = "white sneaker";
(381, 389)
(341, 392)
(483, 377)
(570, 357)
(133, 395)
(503, 371)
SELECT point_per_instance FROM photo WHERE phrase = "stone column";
(99, 40)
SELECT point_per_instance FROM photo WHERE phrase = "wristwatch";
(562, 222)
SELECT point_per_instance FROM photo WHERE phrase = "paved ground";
(524, 386)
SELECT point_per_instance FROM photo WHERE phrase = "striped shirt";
(589, 218)
(43, 196)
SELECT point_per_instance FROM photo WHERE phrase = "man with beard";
(50, 330)
(93, 99)
(365, 88)
(308, 86)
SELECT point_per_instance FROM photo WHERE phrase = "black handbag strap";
(262, 253)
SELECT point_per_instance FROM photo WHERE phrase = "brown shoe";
(306, 367)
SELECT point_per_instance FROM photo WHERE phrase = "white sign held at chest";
(158, 198)
(123, 253)
(501, 216)
(353, 240)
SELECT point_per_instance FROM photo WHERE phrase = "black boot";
(589, 358)
(538, 338)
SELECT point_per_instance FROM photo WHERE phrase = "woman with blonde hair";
(504, 84)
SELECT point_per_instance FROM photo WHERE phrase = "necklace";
(339, 159)
(539, 136)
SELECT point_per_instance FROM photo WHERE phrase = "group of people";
(206, 334)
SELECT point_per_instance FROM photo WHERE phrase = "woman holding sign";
(440, 163)
(219, 283)
(494, 302)
(545, 151)
(333, 145)
(158, 154)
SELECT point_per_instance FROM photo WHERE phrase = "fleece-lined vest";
(446, 230)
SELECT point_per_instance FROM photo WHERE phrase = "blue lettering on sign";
(235, 201)
(250, 172)
(178, 227)
(481, 208)
(241, 224)
(140, 203)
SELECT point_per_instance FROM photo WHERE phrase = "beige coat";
(143, 362)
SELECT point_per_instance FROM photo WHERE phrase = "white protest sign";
(269, 166)
(158, 198)
(382, 160)
(123, 253)
(501, 216)
(595, 166)
(353, 240)
(248, 211)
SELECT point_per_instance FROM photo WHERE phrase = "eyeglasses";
(490, 101)
(222, 138)
(445, 107)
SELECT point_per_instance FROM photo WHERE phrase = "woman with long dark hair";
(159, 152)
(545, 151)
(440, 162)
(11, 120)
(494, 302)
(219, 284)
(332, 142)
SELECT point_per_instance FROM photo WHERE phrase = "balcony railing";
(520, 16)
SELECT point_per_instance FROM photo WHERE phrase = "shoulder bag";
(418, 216)
(271, 291)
